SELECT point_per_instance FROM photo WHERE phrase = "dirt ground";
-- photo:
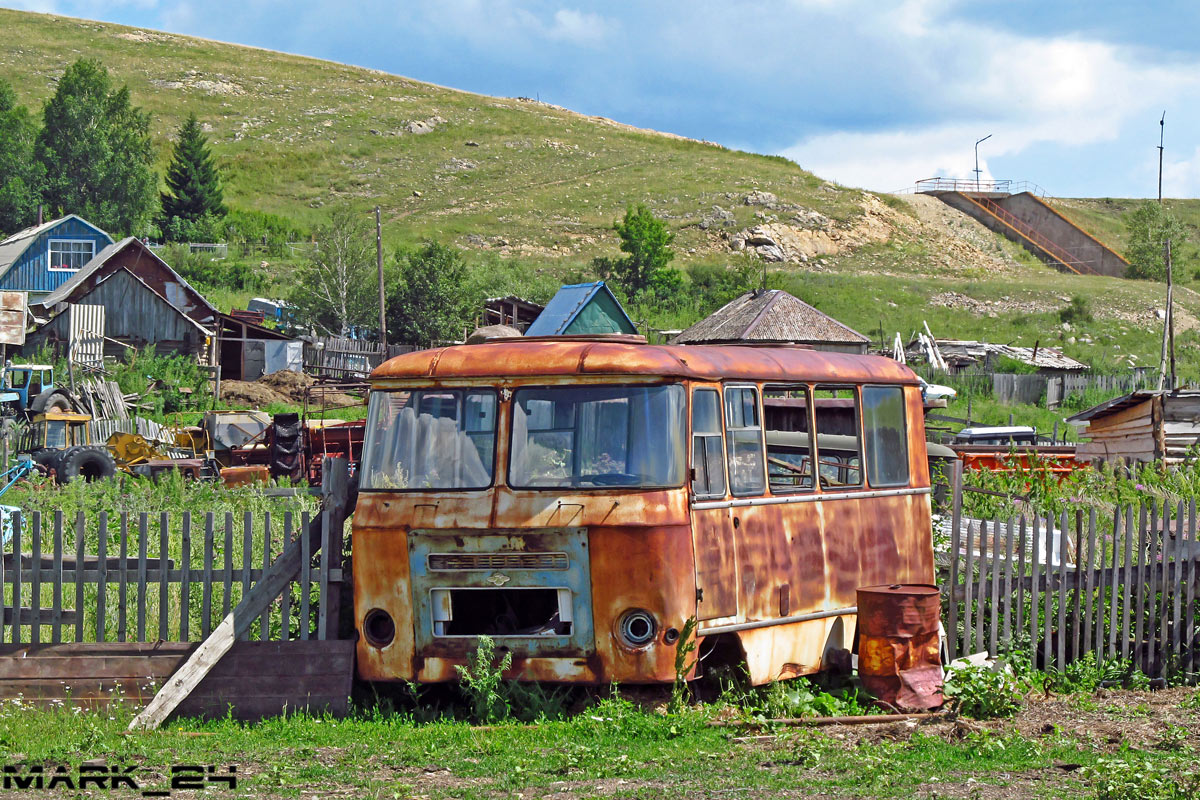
(286, 387)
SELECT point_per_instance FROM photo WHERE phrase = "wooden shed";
(42, 258)
(1144, 425)
(772, 316)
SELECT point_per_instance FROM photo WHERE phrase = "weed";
(684, 647)
(482, 683)
(983, 692)
(1132, 776)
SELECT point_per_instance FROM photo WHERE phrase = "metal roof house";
(773, 317)
(582, 308)
(42, 258)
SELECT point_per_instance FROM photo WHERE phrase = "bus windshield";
(591, 437)
(429, 439)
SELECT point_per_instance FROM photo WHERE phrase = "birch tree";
(337, 289)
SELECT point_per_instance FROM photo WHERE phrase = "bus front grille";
(443, 562)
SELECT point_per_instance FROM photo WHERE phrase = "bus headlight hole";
(379, 627)
(637, 628)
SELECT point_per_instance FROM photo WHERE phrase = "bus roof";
(560, 356)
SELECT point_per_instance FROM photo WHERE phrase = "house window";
(67, 255)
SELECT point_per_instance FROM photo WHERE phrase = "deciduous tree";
(1149, 227)
(96, 151)
(20, 174)
(337, 288)
(647, 244)
(430, 299)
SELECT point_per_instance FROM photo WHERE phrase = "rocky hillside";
(512, 179)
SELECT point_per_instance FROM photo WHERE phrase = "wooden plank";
(1126, 588)
(164, 597)
(994, 575)
(1076, 612)
(209, 653)
(206, 599)
(101, 574)
(1020, 624)
(323, 580)
(955, 540)
(285, 599)
(331, 554)
(80, 531)
(56, 576)
(305, 577)
(1091, 633)
(1061, 626)
(227, 598)
(247, 554)
(264, 625)
(1190, 581)
(123, 569)
(1159, 518)
(143, 537)
(969, 592)
(1034, 606)
(185, 580)
(1008, 584)
(35, 599)
(1114, 598)
(15, 631)
(1140, 610)
(1178, 550)
(1048, 595)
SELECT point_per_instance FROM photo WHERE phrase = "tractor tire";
(89, 463)
(53, 400)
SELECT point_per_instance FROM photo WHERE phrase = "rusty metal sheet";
(898, 658)
(12, 317)
(85, 324)
(518, 358)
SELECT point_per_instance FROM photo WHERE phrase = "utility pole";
(1168, 341)
(379, 264)
(977, 172)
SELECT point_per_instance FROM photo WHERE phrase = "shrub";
(1078, 310)
(481, 682)
(982, 692)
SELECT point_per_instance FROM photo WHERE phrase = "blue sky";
(871, 94)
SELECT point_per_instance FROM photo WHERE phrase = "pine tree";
(96, 151)
(193, 180)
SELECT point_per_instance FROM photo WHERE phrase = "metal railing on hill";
(970, 185)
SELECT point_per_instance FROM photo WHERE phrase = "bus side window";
(789, 443)
(839, 451)
(744, 444)
(708, 459)
(886, 434)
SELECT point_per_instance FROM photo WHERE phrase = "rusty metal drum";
(898, 659)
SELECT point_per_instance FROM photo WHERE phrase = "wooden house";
(145, 302)
(40, 259)
(773, 317)
(1144, 425)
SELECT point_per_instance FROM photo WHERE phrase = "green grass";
(610, 750)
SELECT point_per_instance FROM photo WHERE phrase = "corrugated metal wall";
(31, 273)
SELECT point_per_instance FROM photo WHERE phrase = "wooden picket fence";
(346, 359)
(161, 577)
(1116, 583)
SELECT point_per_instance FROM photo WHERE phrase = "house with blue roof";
(40, 259)
(580, 309)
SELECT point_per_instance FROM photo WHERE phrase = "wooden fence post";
(956, 481)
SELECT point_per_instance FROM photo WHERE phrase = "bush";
(1078, 310)
(145, 370)
(982, 692)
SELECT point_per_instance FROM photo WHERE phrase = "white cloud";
(1026, 91)
(578, 27)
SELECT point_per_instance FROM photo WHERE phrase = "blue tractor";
(28, 389)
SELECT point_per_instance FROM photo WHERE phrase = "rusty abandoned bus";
(578, 500)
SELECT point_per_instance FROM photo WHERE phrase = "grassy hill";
(530, 191)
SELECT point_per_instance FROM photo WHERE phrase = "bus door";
(712, 529)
